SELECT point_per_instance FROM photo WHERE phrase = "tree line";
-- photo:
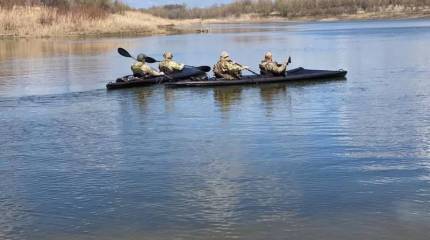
(284, 8)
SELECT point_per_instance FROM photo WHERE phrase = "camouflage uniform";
(141, 69)
(169, 66)
(225, 68)
(268, 67)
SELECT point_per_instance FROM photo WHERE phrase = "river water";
(346, 159)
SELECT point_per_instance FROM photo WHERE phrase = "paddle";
(150, 60)
(201, 68)
(252, 72)
(248, 69)
(288, 61)
(125, 53)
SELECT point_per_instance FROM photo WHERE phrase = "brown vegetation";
(40, 18)
(91, 8)
(22, 18)
(292, 8)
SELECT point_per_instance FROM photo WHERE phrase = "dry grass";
(42, 21)
(391, 12)
(91, 19)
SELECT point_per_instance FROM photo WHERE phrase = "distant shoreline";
(380, 15)
(30, 22)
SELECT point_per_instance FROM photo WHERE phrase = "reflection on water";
(39, 48)
(226, 97)
(46, 66)
(347, 159)
(269, 93)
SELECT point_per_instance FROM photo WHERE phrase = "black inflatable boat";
(131, 81)
(298, 74)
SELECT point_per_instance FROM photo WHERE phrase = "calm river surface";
(346, 159)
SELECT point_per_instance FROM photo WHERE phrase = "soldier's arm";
(279, 68)
(154, 72)
(150, 71)
(262, 67)
(162, 65)
(177, 66)
(235, 66)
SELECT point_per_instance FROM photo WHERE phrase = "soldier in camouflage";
(141, 69)
(227, 69)
(168, 65)
(270, 67)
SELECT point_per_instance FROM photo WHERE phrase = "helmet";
(168, 55)
(224, 55)
(268, 56)
(141, 57)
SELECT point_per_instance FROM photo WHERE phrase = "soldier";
(168, 65)
(270, 67)
(227, 69)
(141, 69)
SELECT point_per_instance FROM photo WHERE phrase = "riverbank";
(392, 12)
(30, 22)
(49, 22)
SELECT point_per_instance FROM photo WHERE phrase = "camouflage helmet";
(141, 57)
(268, 56)
(168, 55)
(224, 55)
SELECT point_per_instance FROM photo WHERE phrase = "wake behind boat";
(297, 74)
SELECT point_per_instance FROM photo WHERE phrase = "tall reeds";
(46, 21)
(81, 8)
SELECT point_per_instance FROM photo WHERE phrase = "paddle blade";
(150, 60)
(289, 60)
(124, 53)
(204, 68)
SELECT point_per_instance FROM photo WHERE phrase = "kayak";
(297, 74)
(131, 81)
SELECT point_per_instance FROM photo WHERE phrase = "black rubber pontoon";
(298, 74)
(131, 81)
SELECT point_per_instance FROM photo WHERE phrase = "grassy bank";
(45, 21)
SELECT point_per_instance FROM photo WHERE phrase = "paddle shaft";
(252, 72)
(248, 69)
